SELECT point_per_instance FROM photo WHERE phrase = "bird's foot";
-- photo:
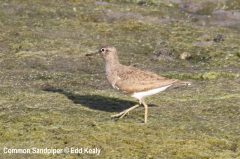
(119, 114)
(123, 113)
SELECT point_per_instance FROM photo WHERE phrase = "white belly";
(141, 95)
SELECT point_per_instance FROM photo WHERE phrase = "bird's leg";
(128, 110)
(146, 111)
(123, 113)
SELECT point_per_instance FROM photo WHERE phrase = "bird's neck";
(112, 66)
(111, 62)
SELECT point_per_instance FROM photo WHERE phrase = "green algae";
(51, 95)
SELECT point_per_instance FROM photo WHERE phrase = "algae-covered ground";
(53, 96)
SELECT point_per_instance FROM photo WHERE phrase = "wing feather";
(136, 80)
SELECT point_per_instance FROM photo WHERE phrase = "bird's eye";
(103, 50)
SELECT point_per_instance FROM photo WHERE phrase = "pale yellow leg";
(128, 110)
(146, 111)
(123, 113)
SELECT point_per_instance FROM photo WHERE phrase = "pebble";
(163, 55)
(185, 56)
(218, 38)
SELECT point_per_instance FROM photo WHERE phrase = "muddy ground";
(53, 96)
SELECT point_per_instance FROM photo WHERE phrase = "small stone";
(218, 38)
(185, 56)
(162, 55)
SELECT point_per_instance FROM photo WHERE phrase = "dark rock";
(142, 3)
(218, 38)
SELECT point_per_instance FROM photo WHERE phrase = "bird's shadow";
(97, 102)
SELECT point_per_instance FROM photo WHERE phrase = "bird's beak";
(92, 54)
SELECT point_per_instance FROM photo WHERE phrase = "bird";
(138, 83)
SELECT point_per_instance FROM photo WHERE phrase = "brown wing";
(135, 74)
(131, 87)
(136, 80)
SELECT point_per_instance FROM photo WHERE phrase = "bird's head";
(108, 52)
